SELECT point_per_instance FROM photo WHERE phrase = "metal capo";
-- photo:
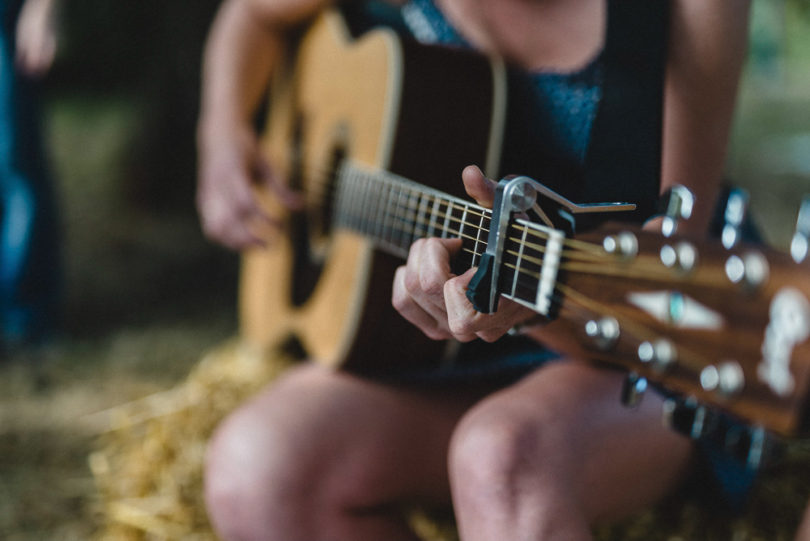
(515, 195)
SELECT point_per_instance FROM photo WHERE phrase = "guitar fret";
(478, 240)
(373, 209)
(362, 218)
(463, 221)
(431, 232)
(413, 204)
(400, 220)
(359, 203)
(388, 228)
(519, 261)
(395, 220)
(350, 199)
(337, 216)
(380, 214)
(446, 225)
(419, 230)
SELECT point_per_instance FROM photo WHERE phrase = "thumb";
(478, 186)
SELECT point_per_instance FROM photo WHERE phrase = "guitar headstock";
(721, 320)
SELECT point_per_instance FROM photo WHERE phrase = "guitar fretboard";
(394, 212)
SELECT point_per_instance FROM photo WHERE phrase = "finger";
(462, 318)
(228, 209)
(464, 321)
(221, 224)
(411, 311)
(423, 280)
(432, 262)
(268, 177)
(478, 186)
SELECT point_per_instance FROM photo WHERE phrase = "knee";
(494, 448)
(249, 466)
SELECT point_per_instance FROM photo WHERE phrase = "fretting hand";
(431, 297)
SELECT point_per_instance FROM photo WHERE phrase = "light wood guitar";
(355, 122)
(346, 113)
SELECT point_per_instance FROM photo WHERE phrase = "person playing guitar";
(617, 100)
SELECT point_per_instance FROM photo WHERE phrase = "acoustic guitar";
(721, 321)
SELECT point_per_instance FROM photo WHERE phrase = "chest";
(561, 35)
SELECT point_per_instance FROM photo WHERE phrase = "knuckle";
(436, 333)
(491, 335)
(432, 282)
(400, 301)
(461, 326)
(410, 281)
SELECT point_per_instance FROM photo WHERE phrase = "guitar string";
(586, 252)
(630, 326)
(473, 210)
(574, 249)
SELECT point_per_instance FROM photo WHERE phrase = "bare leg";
(551, 455)
(323, 456)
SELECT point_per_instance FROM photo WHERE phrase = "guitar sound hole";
(310, 231)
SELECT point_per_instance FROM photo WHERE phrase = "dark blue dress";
(557, 115)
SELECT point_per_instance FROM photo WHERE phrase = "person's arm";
(243, 46)
(36, 36)
(707, 49)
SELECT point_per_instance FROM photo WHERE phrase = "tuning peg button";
(688, 417)
(633, 389)
(734, 216)
(726, 378)
(682, 257)
(800, 244)
(679, 207)
(751, 270)
(605, 332)
(624, 245)
(661, 354)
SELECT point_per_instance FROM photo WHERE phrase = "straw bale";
(148, 463)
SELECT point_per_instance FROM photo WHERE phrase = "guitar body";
(375, 100)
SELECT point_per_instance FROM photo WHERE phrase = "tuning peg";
(680, 202)
(633, 389)
(688, 417)
(660, 354)
(725, 378)
(753, 446)
(801, 238)
(734, 216)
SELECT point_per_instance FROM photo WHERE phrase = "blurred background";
(146, 296)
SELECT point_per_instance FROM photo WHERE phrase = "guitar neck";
(675, 322)
(395, 212)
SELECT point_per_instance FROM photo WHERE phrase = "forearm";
(707, 52)
(239, 57)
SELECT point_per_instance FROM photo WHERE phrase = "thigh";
(615, 458)
(364, 443)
